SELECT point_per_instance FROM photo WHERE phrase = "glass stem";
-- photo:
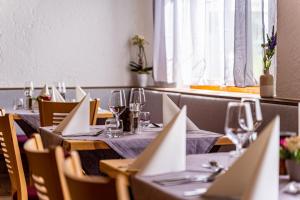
(117, 120)
(238, 149)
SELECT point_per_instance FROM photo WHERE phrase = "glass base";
(237, 153)
(114, 134)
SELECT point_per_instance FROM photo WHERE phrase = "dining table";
(29, 120)
(127, 146)
(197, 165)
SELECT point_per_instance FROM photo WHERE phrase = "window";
(202, 40)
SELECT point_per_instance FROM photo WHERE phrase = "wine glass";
(256, 115)
(238, 124)
(28, 89)
(136, 103)
(63, 89)
(137, 99)
(117, 103)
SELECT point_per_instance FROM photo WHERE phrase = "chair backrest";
(11, 152)
(52, 113)
(92, 187)
(46, 170)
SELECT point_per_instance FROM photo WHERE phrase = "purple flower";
(272, 42)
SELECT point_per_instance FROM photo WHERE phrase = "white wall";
(288, 60)
(82, 42)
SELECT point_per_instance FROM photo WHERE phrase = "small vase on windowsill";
(142, 79)
(266, 84)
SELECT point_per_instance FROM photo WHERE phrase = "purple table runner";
(130, 146)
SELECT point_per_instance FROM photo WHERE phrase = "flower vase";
(293, 169)
(266, 84)
(142, 80)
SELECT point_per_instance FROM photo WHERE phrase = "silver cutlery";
(196, 192)
(214, 165)
(156, 125)
(187, 180)
(88, 134)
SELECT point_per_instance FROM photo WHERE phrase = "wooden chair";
(11, 152)
(52, 113)
(46, 170)
(92, 187)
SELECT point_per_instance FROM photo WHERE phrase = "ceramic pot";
(266, 85)
(293, 169)
(142, 80)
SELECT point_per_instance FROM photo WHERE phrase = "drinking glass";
(18, 104)
(117, 103)
(136, 103)
(144, 119)
(137, 99)
(63, 89)
(113, 128)
(256, 115)
(28, 89)
(238, 124)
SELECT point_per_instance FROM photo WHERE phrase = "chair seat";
(22, 139)
(32, 194)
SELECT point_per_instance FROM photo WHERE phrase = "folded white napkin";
(158, 157)
(77, 122)
(45, 91)
(56, 96)
(79, 93)
(169, 111)
(255, 174)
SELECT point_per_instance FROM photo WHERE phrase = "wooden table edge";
(70, 145)
(223, 140)
(113, 167)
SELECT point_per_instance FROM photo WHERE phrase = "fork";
(187, 180)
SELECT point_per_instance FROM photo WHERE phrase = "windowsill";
(248, 90)
(225, 94)
(206, 92)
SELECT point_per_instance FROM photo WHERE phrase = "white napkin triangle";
(77, 122)
(56, 96)
(158, 157)
(169, 111)
(79, 93)
(255, 174)
(45, 91)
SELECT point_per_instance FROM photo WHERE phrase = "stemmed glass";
(137, 99)
(28, 89)
(61, 87)
(238, 124)
(136, 104)
(117, 103)
(256, 115)
(28, 92)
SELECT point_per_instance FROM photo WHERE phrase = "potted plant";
(267, 80)
(141, 66)
(290, 152)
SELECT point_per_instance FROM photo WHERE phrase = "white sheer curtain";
(196, 37)
(196, 41)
